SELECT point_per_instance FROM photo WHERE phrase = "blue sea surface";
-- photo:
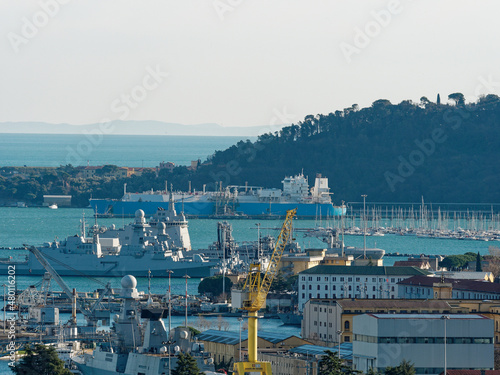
(53, 150)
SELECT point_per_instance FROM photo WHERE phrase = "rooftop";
(393, 304)
(428, 316)
(364, 270)
(457, 284)
(472, 372)
(345, 350)
(233, 338)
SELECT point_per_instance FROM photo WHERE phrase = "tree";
(281, 285)
(213, 285)
(438, 101)
(479, 266)
(404, 368)
(186, 365)
(458, 98)
(424, 101)
(331, 364)
(42, 360)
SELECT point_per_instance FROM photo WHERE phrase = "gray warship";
(144, 349)
(139, 248)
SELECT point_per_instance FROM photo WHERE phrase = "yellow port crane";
(255, 291)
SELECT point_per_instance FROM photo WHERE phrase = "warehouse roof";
(233, 338)
(364, 270)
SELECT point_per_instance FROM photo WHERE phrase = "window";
(350, 287)
(346, 325)
(334, 279)
(392, 288)
(315, 308)
(326, 278)
(310, 295)
(341, 279)
(303, 295)
(326, 287)
(315, 323)
(347, 339)
(374, 288)
(303, 278)
(357, 279)
(374, 279)
(303, 286)
(333, 287)
(318, 278)
(310, 278)
(310, 287)
(393, 280)
(330, 325)
(349, 279)
(319, 286)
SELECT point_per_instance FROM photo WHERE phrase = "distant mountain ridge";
(134, 128)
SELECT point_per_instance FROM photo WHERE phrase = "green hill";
(446, 153)
(391, 152)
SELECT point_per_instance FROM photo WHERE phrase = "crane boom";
(53, 273)
(257, 288)
(88, 313)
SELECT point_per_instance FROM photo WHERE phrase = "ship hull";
(291, 319)
(200, 208)
(90, 265)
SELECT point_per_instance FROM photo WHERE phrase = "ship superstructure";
(146, 348)
(138, 247)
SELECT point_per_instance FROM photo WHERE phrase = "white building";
(382, 340)
(326, 281)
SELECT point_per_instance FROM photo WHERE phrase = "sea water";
(53, 150)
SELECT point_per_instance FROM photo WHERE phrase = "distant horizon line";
(135, 135)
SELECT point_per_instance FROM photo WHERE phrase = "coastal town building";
(111, 171)
(371, 282)
(325, 318)
(294, 263)
(169, 166)
(225, 345)
(425, 287)
(382, 340)
(59, 200)
(304, 359)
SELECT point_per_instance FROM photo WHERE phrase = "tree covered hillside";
(446, 153)
(391, 152)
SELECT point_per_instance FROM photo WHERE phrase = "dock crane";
(255, 292)
(90, 313)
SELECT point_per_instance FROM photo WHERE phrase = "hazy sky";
(237, 62)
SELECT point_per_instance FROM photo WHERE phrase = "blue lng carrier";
(232, 201)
